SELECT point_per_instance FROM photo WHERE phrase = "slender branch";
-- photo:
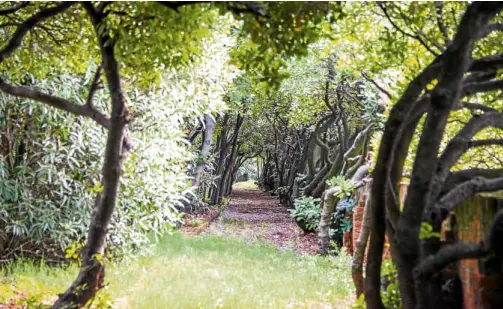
(174, 5)
(317, 130)
(439, 6)
(467, 189)
(94, 86)
(485, 142)
(458, 177)
(446, 256)
(386, 92)
(491, 28)
(472, 88)
(412, 36)
(57, 102)
(357, 140)
(487, 63)
(458, 145)
(476, 106)
(29, 24)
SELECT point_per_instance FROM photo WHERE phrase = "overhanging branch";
(29, 24)
(467, 189)
(459, 145)
(447, 255)
(57, 102)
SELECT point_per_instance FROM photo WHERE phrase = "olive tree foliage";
(133, 42)
(49, 168)
(51, 160)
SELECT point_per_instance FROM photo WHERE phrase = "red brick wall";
(481, 289)
(358, 215)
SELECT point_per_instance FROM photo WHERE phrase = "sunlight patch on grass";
(249, 184)
(209, 272)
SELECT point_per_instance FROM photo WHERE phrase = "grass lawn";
(249, 184)
(203, 272)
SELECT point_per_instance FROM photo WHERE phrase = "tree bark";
(90, 278)
(330, 201)
(205, 149)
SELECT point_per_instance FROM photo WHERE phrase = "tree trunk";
(90, 278)
(330, 201)
(205, 149)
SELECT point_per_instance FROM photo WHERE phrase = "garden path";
(257, 216)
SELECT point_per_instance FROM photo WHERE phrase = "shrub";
(307, 212)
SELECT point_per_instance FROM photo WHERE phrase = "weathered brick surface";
(347, 242)
(482, 287)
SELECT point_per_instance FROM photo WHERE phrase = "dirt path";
(255, 215)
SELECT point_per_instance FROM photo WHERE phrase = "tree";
(461, 70)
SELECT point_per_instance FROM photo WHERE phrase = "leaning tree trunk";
(205, 149)
(330, 201)
(360, 248)
(90, 278)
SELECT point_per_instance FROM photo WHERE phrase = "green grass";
(207, 272)
(250, 184)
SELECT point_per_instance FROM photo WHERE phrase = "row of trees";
(407, 88)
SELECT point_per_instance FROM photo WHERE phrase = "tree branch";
(487, 63)
(174, 5)
(467, 189)
(252, 7)
(491, 28)
(94, 86)
(57, 102)
(439, 6)
(412, 36)
(386, 92)
(476, 106)
(458, 177)
(447, 255)
(29, 24)
(472, 88)
(458, 145)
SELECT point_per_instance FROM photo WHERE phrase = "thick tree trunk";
(330, 201)
(222, 146)
(227, 168)
(90, 278)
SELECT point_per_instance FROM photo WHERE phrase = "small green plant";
(308, 211)
(391, 296)
(346, 225)
(344, 184)
(359, 303)
(426, 231)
